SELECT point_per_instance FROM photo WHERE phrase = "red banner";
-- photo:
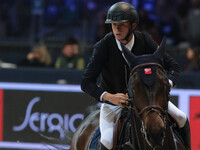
(195, 122)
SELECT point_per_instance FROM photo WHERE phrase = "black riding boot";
(102, 147)
(185, 132)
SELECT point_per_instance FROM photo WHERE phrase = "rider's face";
(120, 30)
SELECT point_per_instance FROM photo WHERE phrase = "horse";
(149, 126)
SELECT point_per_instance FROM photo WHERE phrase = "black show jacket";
(108, 61)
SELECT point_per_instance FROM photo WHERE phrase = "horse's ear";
(129, 56)
(161, 49)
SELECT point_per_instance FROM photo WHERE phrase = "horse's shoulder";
(84, 132)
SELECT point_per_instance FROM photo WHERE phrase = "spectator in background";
(183, 8)
(193, 56)
(70, 57)
(193, 23)
(4, 18)
(102, 28)
(166, 10)
(39, 57)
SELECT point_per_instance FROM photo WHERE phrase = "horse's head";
(151, 103)
(149, 86)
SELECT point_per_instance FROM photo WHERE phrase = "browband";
(146, 64)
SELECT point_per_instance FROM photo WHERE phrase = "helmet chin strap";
(130, 32)
(128, 35)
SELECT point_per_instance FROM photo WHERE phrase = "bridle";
(146, 64)
(158, 110)
(154, 108)
(148, 109)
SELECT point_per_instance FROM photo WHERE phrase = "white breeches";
(109, 113)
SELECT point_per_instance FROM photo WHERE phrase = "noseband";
(148, 109)
(154, 108)
(158, 110)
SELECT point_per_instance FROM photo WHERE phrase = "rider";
(108, 61)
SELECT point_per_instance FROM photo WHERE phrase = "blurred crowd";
(82, 23)
(69, 58)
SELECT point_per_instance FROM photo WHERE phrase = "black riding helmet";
(122, 12)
